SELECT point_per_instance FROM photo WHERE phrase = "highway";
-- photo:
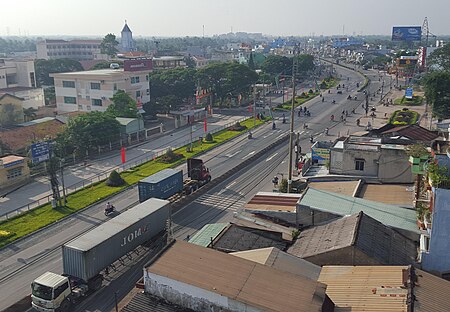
(27, 259)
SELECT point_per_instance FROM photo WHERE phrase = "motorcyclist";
(334, 102)
(323, 99)
(250, 135)
(332, 117)
(109, 206)
(326, 131)
(311, 139)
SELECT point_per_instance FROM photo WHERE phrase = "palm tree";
(29, 113)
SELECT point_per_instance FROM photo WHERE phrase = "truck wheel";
(95, 284)
(65, 306)
(194, 188)
(208, 179)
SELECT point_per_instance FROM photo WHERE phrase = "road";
(22, 262)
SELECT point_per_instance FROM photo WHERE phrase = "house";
(354, 240)
(31, 97)
(385, 288)
(204, 279)
(13, 171)
(317, 207)
(372, 159)
(231, 238)
(11, 111)
(412, 133)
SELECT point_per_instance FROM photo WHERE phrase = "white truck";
(85, 257)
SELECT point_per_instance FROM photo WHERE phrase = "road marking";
(232, 155)
(268, 135)
(280, 135)
(283, 161)
(249, 154)
(227, 187)
(270, 158)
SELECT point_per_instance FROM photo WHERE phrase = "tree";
(123, 106)
(251, 62)
(276, 64)
(441, 57)
(44, 68)
(437, 92)
(109, 45)
(115, 179)
(305, 62)
(29, 113)
(189, 62)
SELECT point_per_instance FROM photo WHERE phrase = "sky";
(187, 17)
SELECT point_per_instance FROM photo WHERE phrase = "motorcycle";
(334, 102)
(109, 210)
(323, 99)
(349, 97)
(332, 118)
(250, 135)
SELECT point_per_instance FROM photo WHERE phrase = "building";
(126, 39)
(209, 280)
(92, 90)
(17, 73)
(145, 302)
(354, 240)
(372, 159)
(231, 238)
(31, 97)
(200, 62)
(13, 171)
(410, 134)
(72, 49)
(385, 288)
(318, 207)
(11, 110)
(168, 62)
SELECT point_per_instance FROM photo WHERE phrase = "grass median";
(33, 220)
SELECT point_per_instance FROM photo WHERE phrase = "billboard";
(407, 33)
(409, 93)
(137, 65)
(40, 152)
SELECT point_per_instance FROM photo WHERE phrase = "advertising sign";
(320, 155)
(137, 65)
(407, 33)
(40, 152)
(409, 93)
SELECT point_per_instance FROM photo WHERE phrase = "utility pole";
(254, 105)
(291, 130)
(61, 167)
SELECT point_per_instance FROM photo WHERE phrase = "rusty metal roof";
(268, 201)
(392, 194)
(145, 302)
(432, 293)
(239, 279)
(412, 132)
(366, 288)
(341, 187)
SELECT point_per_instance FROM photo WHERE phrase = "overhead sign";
(40, 152)
(407, 33)
(137, 65)
(409, 93)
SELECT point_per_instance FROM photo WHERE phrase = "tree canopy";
(44, 68)
(276, 64)
(437, 91)
(109, 45)
(122, 105)
(441, 57)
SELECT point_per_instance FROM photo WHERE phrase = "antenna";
(203, 31)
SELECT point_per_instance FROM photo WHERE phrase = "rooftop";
(36, 121)
(206, 233)
(432, 293)
(10, 159)
(273, 202)
(381, 244)
(412, 132)
(50, 279)
(393, 194)
(125, 121)
(145, 302)
(107, 72)
(282, 261)
(239, 279)
(390, 215)
(340, 187)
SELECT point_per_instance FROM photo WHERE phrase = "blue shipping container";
(161, 185)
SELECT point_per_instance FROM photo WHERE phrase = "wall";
(7, 183)
(344, 256)
(32, 98)
(308, 216)
(15, 116)
(191, 297)
(278, 216)
(395, 167)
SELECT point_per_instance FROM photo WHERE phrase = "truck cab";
(50, 292)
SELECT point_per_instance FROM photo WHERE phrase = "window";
(359, 164)
(138, 94)
(14, 173)
(33, 81)
(115, 87)
(60, 289)
(68, 84)
(70, 100)
(134, 79)
(96, 102)
(95, 86)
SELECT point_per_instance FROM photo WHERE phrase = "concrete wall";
(6, 183)
(191, 297)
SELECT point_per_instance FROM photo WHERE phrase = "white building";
(17, 73)
(92, 90)
(73, 49)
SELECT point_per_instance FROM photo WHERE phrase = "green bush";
(170, 156)
(115, 179)
(209, 137)
(238, 127)
(404, 117)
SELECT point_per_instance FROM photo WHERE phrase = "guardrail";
(105, 174)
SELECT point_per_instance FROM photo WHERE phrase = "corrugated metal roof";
(366, 288)
(413, 132)
(159, 176)
(106, 230)
(125, 121)
(36, 121)
(340, 187)
(392, 194)
(268, 201)
(239, 279)
(394, 216)
(380, 243)
(432, 293)
(207, 233)
(145, 302)
(282, 261)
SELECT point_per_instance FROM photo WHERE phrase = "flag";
(122, 153)
(205, 126)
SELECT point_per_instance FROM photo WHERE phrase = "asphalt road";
(22, 262)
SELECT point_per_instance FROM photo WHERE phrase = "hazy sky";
(186, 17)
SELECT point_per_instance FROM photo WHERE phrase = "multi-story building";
(17, 73)
(92, 90)
(73, 49)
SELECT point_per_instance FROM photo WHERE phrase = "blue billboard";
(409, 93)
(407, 33)
(40, 151)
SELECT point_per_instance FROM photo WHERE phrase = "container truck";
(85, 257)
(168, 182)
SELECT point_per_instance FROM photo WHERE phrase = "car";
(339, 92)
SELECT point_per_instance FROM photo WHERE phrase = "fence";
(105, 174)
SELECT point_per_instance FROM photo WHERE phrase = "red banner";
(122, 153)
(205, 126)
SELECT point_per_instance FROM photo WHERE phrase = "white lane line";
(249, 154)
(268, 135)
(280, 135)
(227, 187)
(232, 155)
(270, 158)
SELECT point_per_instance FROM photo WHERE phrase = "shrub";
(416, 150)
(170, 156)
(238, 127)
(115, 179)
(310, 91)
(5, 235)
(208, 137)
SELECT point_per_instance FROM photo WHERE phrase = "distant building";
(17, 73)
(72, 49)
(13, 171)
(92, 90)
(168, 62)
(126, 39)
(11, 110)
(31, 97)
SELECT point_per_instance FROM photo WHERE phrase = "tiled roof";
(390, 215)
